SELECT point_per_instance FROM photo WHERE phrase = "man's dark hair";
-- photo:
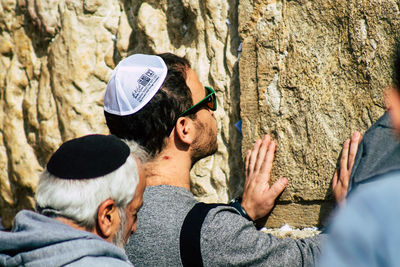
(153, 123)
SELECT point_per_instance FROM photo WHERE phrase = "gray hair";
(78, 200)
(118, 238)
(139, 151)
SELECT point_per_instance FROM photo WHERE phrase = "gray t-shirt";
(227, 239)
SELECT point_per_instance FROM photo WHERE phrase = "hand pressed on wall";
(258, 196)
(341, 177)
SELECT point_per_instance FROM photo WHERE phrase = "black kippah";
(87, 157)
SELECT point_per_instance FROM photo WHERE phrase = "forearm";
(227, 239)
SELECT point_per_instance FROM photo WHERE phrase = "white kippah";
(134, 82)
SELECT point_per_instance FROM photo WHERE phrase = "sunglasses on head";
(210, 102)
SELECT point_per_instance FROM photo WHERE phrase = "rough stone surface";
(311, 73)
(57, 56)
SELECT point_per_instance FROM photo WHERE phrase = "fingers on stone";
(355, 140)
(248, 161)
(278, 187)
(345, 156)
(267, 167)
(254, 154)
(335, 179)
(261, 154)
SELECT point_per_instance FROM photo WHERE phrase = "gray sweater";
(37, 240)
(378, 153)
(227, 239)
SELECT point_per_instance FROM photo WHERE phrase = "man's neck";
(169, 168)
(73, 224)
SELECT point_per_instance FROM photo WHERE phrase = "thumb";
(278, 187)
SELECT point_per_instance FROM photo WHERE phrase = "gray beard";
(118, 239)
(205, 147)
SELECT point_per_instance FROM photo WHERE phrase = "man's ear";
(185, 130)
(107, 218)
(392, 101)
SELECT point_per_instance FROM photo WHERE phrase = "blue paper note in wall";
(238, 126)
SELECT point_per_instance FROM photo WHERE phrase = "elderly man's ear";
(108, 219)
(392, 100)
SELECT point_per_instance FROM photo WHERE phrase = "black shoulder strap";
(190, 234)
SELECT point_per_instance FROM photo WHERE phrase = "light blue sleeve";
(365, 232)
(99, 261)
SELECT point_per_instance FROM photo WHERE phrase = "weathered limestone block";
(19, 162)
(57, 56)
(300, 214)
(78, 69)
(311, 73)
(44, 14)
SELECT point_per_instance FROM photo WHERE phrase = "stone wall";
(57, 56)
(311, 73)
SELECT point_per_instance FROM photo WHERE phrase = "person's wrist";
(237, 204)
